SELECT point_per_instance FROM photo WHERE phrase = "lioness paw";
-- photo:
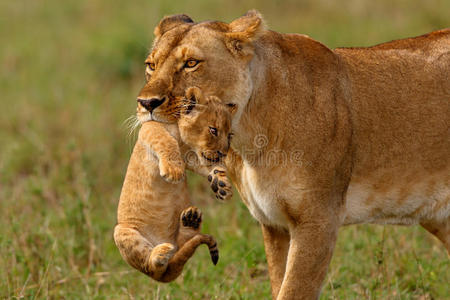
(191, 217)
(220, 184)
(171, 171)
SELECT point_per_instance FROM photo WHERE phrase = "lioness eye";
(191, 63)
(213, 131)
(151, 66)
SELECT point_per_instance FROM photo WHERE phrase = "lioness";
(359, 135)
(158, 230)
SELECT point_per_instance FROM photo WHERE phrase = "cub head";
(205, 125)
(213, 56)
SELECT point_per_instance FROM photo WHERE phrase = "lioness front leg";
(276, 245)
(311, 246)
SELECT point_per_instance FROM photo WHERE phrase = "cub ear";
(170, 22)
(232, 107)
(243, 32)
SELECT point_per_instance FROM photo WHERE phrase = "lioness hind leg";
(138, 252)
(441, 230)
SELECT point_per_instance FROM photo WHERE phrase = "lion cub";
(158, 230)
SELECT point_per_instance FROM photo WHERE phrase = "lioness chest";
(261, 197)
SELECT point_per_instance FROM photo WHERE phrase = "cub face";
(205, 125)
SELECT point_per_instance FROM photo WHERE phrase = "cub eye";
(191, 63)
(213, 131)
(151, 66)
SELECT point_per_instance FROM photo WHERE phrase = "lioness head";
(205, 125)
(213, 56)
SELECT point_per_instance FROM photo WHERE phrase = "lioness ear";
(244, 31)
(170, 22)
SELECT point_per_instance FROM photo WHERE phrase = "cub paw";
(160, 255)
(171, 171)
(220, 184)
(191, 217)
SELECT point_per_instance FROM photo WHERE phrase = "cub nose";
(151, 104)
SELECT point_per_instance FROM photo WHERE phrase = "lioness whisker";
(131, 123)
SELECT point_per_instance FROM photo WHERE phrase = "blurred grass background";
(70, 71)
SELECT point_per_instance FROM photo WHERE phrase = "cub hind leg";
(138, 252)
(441, 230)
(189, 238)
(190, 223)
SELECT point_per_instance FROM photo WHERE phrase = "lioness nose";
(151, 104)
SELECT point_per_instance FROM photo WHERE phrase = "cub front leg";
(172, 170)
(220, 184)
(165, 147)
(217, 176)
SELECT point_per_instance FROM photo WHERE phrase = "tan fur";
(158, 230)
(322, 137)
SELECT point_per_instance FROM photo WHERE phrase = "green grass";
(70, 71)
